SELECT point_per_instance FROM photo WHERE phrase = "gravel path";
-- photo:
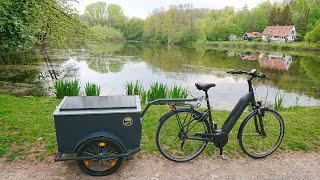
(282, 166)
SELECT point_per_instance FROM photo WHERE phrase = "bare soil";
(281, 166)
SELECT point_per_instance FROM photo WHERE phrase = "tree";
(116, 17)
(314, 35)
(133, 29)
(286, 16)
(96, 13)
(24, 24)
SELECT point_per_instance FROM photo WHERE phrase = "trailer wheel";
(96, 147)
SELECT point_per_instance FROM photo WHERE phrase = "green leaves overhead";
(27, 23)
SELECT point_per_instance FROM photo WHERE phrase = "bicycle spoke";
(258, 145)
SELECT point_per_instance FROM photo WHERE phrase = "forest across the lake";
(26, 24)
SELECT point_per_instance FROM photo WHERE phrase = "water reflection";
(275, 61)
(111, 66)
(248, 56)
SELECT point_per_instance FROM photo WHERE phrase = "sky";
(142, 8)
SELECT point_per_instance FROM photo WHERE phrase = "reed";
(134, 88)
(67, 88)
(92, 89)
(156, 91)
(178, 92)
(278, 101)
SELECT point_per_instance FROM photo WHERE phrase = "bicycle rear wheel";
(261, 136)
(174, 131)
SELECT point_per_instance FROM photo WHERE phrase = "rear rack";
(164, 101)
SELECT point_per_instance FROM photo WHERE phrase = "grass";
(66, 88)
(92, 89)
(27, 129)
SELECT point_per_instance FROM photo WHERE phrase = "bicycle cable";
(259, 83)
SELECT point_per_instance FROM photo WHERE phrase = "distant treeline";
(183, 23)
(25, 24)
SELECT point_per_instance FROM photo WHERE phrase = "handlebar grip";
(235, 72)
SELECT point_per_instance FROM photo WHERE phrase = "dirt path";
(283, 166)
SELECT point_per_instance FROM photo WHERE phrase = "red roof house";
(279, 33)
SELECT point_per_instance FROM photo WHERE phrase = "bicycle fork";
(259, 123)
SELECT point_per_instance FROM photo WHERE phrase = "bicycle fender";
(99, 134)
(245, 120)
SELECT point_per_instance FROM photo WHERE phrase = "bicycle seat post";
(213, 126)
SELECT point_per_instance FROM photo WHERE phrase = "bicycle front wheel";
(261, 134)
(175, 133)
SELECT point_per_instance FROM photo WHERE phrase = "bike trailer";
(79, 119)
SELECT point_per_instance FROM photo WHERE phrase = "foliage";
(106, 33)
(278, 101)
(24, 24)
(66, 88)
(305, 14)
(116, 17)
(134, 88)
(178, 92)
(96, 13)
(314, 35)
(100, 13)
(183, 24)
(280, 15)
(27, 123)
(133, 29)
(92, 89)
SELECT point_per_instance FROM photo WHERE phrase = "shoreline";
(294, 46)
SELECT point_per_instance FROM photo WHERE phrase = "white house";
(279, 33)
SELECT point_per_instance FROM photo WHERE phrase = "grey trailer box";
(80, 118)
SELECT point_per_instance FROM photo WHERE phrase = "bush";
(92, 89)
(107, 33)
(66, 88)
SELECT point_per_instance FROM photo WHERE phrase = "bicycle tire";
(100, 146)
(167, 144)
(251, 128)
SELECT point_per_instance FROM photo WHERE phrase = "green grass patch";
(27, 129)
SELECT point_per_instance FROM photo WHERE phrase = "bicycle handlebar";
(252, 73)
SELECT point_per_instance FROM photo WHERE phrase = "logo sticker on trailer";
(127, 121)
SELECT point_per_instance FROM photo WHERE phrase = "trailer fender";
(99, 134)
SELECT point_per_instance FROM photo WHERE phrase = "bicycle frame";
(236, 112)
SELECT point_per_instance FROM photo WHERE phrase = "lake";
(295, 75)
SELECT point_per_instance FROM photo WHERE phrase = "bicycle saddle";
(204, 86)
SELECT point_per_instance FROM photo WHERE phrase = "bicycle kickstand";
(222, 156)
